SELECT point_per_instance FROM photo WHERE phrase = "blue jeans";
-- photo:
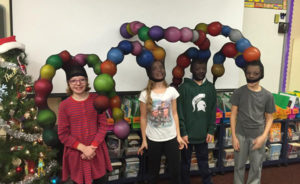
(202, 160)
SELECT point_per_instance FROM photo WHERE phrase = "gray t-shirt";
(252, 107)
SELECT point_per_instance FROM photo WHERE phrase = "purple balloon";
(156, 32)
(80, 59)
(186, 34)
(172, 34)
(121, 129)
(123, 31)
(137, 48)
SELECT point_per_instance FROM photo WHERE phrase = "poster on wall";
(270, 4)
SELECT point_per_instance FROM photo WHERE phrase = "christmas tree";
(24, 156)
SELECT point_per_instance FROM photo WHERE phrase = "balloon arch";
(239, 48)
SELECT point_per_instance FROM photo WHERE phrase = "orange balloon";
(217, 70)
(178, 72)
(108, 67)
(159, 54)
(115, 102)
(251, 54)
(149, 44)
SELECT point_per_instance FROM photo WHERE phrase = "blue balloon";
(204, 54)
(125, 46)
(145, 59)
(226, 30)
(219, 58)
(242, 44)
(115, 55)
(240, 61)
(192, 53)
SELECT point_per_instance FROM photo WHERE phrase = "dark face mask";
(253, 80)
(253, 74)
(199, 72)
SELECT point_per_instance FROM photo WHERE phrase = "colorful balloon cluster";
(240, 48)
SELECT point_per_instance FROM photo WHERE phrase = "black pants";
(171, 151)
(202, 159)
(101, 180)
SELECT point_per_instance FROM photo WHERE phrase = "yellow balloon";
(47, 72)
(202, 27)
(217, 70)
(159, 54)
(150, 45)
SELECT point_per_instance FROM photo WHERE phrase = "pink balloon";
(132, 25)
(186, 34)
(172, 34)
(137, 48)
(135, 28)
(80, 59)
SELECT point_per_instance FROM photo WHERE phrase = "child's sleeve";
(102, 128)
(234, 99)
(63, 132)
(270, 104)
(180, 110)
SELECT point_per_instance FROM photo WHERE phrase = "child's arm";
(182, 143)
(143, 110)
(260, 140)
(102, 129)
(235, 141)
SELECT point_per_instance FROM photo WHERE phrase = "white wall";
(47, 27)
(260, 29)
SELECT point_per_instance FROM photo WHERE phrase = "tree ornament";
(16, 162)
(19, 169)
(28, 89)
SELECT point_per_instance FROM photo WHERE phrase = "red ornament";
(101, 103)
(43, 87)
(201, 39)
(65, 56)
(183, 61)
(19, 95)
(28, 89)
(178, 72)
(229, 50)
(115, 102)
(214, 28)
(108, 67)
(205, 45)
(19, 169)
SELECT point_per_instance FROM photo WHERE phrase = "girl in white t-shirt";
(160, 125)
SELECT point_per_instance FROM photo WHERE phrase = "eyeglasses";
(75, 81)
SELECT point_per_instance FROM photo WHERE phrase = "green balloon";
(97, 68)
(104, 83)
(143, 33)
(112, 93)
(46, 118)
(92, 59)
(50, 137)
(55, 61)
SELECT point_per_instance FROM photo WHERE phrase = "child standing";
(251, 119)
(197, 117)
(82, 131)
(159, 124)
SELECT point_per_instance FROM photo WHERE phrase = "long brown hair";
(148, 89)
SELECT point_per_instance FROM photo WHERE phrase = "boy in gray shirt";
(250, 121)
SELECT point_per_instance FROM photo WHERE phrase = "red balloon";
(101, 103)
(177, 81)
(229, 50)
(108, 67)
(178, 72)
(201, 39)
(251, 54)
(205, 45)
(214, 28)
(121, 129)
(65, 56)
(41, 102)
(183, 61)
(42, 87)
(115, 102)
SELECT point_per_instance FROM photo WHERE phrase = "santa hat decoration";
(10, 43)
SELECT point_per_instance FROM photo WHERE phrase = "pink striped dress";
(78, 122)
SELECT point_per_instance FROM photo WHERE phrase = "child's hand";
(185, 139)
(181, 143)
(235, 143)
(258, 142)
(209, 138)
(143, 146)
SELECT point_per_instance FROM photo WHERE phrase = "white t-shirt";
(160, 122)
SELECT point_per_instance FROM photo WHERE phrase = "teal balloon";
(46, 118)
(50, 137)
(55, 61)
(143, 33)
(104, 83)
